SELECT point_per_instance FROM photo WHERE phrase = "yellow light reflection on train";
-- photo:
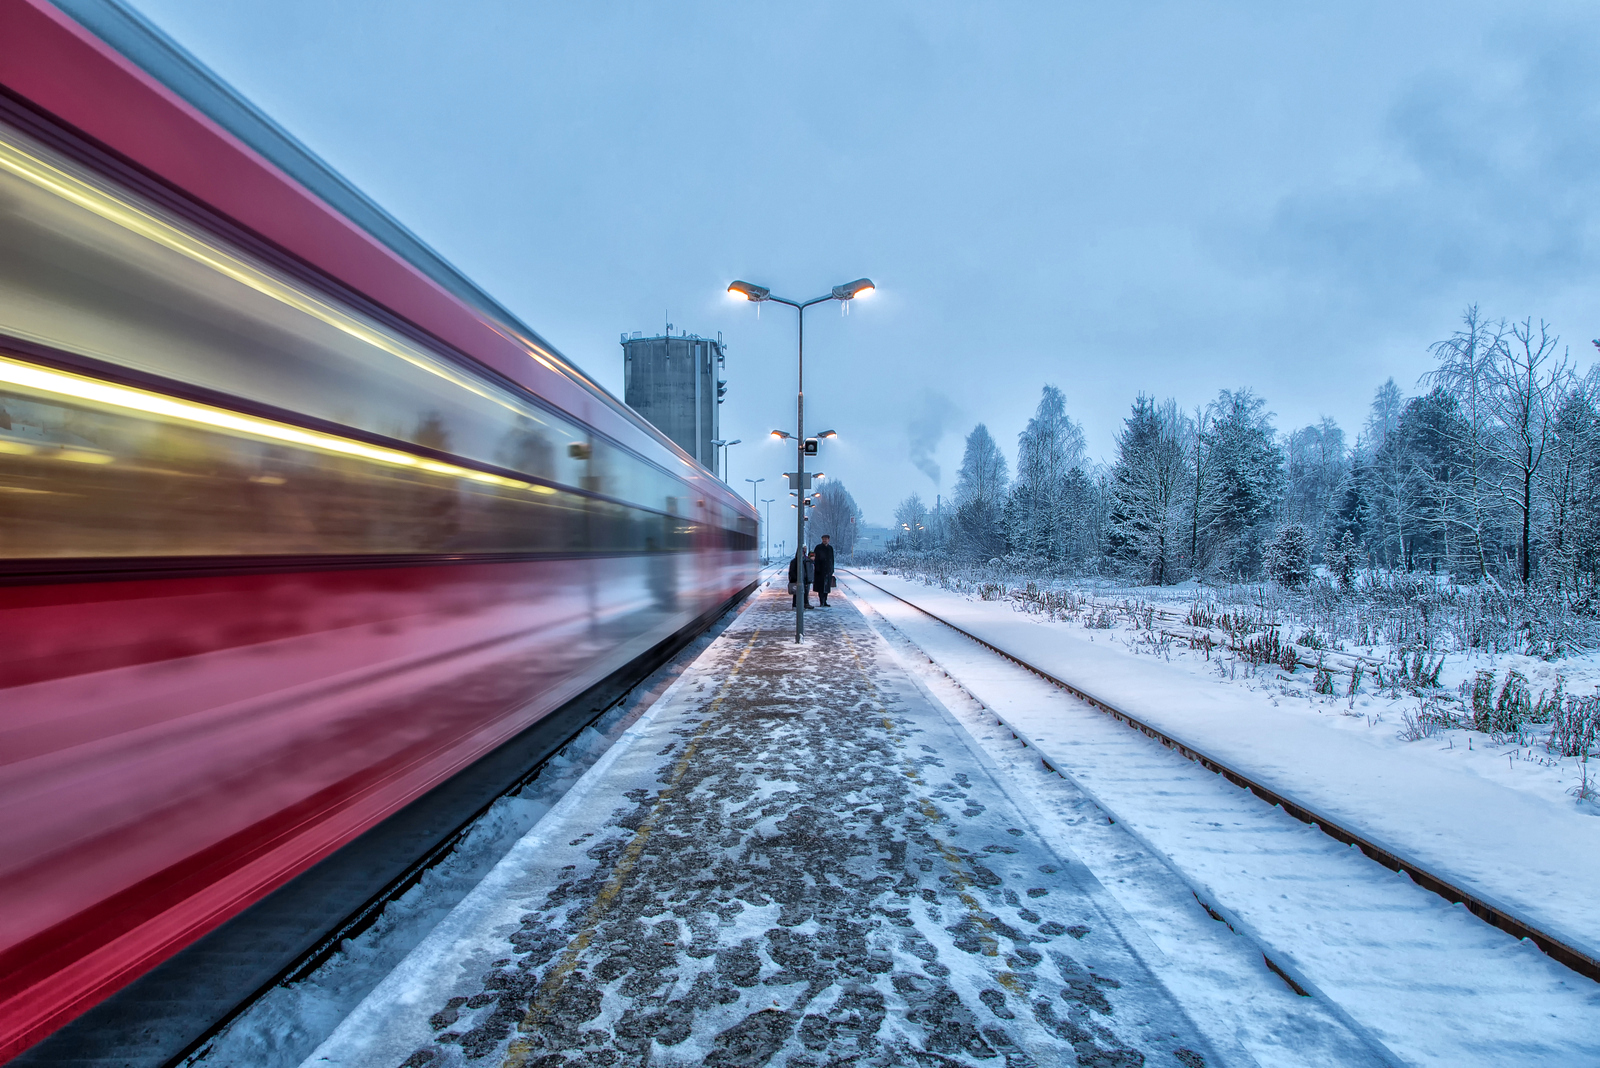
(78, 387)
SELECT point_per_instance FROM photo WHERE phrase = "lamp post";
(849, 291)
(765, 556)
(753, 490)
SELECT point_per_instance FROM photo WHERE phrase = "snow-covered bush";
(1323, 683)
(1289, 557)
(1514, 706)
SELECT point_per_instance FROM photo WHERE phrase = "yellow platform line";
(538, 1010)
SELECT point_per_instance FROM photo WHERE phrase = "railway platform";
(796, 857)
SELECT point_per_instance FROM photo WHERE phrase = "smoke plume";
(925, 429)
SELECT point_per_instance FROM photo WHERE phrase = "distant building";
(872, 539)
(672, 381)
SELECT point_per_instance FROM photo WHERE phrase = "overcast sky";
(1113, 198)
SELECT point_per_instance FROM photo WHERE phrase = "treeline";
(1490, 473)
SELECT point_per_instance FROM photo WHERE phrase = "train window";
(88, 268)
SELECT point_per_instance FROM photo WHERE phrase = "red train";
(295, 523)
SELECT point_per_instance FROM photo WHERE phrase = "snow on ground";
(1219, 974)
(1434, 984)
(285, 1025)
(793, 858)
(1493, 819)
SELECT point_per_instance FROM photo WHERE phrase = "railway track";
(1490, 912)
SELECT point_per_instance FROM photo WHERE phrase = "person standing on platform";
(802, 588)
(824, 571)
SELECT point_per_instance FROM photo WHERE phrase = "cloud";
(1491, 179)
(925, 429)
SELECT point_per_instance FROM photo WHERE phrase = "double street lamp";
(798, 480)
(725, 446)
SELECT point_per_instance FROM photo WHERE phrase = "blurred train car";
(296, 523)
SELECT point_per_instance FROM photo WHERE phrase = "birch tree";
(1527, 381)
(1466, 359)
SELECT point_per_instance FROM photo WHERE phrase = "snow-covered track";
(1490, 912)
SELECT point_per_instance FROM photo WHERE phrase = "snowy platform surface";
(794, 858)
(1533, 855)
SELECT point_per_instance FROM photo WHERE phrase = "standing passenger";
(796, 586)
(824, 571)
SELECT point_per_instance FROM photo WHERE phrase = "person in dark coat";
(824, 571)
(803, 589)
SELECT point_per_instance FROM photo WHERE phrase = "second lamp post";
(798, 478)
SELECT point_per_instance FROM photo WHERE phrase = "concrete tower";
(672, 381)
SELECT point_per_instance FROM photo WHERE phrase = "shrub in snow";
(1290, 659)
(1415, 726)
(1545, 708)
(1288, 557)
(1421, 674)
(1324, 680)
(1513, 706)
(1355, 678)
(1482, 700)
(1573, 727)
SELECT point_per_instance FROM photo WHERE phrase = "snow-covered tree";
(837, 516)
(1246, 480)
(911, 523)
(977, 528)
(1342, 557)
(1528, 381)
(1570, 492)
(1048, 450)
(1148, 482)
(1465, 362)
(1288, 556)
(1388, 478)
(1316, 463)
(1429, 428)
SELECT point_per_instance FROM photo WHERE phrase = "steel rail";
(1562, 952)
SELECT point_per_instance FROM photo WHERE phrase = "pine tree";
(1147, 486)
(1288, 557)
(1246, 479)
(1570, 529)
(1047, 451)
